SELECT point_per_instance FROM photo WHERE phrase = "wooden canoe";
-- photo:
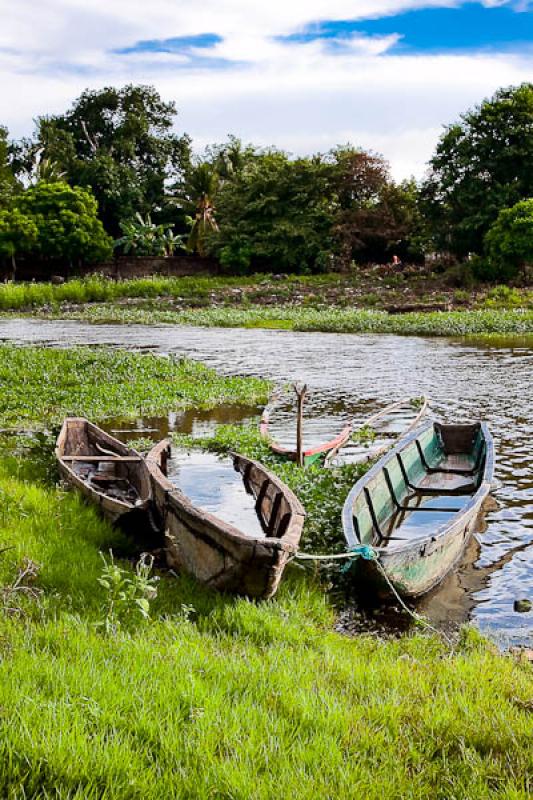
(311, 454)
(105, 470)
(418, 506)
(375, 450)
(219, 554)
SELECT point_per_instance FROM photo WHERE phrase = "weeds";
(127, 594)
(23, 586)
(328, 320)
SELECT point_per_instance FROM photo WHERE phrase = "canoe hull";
(415, 567)
(311, 455)
(218, 554)
(73, 440)
(419, 570)
(377, 452)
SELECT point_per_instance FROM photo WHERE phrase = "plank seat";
(102, 458)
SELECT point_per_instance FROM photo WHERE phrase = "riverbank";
(213, 695)
(373, 300)
(331, 320)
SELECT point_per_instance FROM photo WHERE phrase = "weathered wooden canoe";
(219, 554)
(311, 454)
(105, 470)
(373, 449)
(418, 506)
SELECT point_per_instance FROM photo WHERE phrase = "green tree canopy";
(482, 164)
(66, 219)
(275, 214)
(117, 142)
(509, 242)
(197, 200)
(18, 235)
(375, 216)
(8, 182)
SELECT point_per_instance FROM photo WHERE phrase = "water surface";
(212, 483)
(351, 376)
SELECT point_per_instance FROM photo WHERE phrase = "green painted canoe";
(418, 506)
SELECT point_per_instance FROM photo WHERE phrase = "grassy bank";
(358, 302)
(331, 320)
(370, 287)
(220, 697)
(214, 696)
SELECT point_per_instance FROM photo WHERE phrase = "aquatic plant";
(330, 320)
(40, 386)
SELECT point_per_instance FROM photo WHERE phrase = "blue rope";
(364, 551)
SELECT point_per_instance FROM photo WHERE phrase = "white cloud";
(299, 97)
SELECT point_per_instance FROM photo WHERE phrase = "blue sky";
(304, 75)
(466, 28)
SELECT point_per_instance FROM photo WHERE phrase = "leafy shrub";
(142, 237)
(54, 221)
(460, 276)
(461, 296)
(507, 297)
(18, 233)
(509, 242)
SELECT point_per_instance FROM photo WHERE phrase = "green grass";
(96, 288)
(221, 697)
(341, 303)
(214, 696)
(331, 320)
(41, 386)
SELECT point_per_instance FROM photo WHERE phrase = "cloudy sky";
(303, 75)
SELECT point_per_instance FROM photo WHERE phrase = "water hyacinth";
(40, 386)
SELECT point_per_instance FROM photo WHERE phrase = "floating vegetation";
(40, 386)
(330, 320)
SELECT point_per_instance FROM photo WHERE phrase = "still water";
(351, 376)
(222, 494)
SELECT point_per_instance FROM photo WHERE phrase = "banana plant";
(144, 238)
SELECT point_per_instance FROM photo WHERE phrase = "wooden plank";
(301, 391)
(101, 458)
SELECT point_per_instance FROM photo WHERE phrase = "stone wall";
(122, 267)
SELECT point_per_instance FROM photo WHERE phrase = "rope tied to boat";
(367, 552)
(358, 551)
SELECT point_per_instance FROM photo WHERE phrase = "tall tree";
(375, 216)
(8, 181)
(483, 163)
(198, 200)
(509, 242)
(120, 144)
(275, 214)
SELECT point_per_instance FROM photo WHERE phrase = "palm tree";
(199, 191)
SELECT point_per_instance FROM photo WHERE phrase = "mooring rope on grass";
(368, 553)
